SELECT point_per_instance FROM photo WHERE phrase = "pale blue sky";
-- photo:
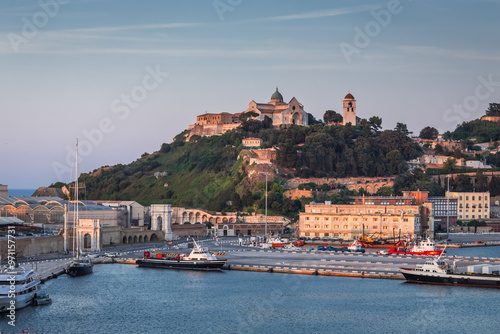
(69, 76)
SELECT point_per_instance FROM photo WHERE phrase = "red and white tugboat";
(425, 247)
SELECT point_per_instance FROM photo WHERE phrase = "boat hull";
(79, 270)
(490, 281)
(183, 265)
(426, 253)
(21, 301)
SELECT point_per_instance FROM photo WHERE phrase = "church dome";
(349, 97)
(277, 96)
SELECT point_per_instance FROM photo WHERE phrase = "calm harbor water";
(120, 298)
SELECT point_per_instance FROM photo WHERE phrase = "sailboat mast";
(76, 199)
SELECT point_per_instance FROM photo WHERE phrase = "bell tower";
(349, 109)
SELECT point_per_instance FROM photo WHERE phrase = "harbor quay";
(304, 261)
(245, 258)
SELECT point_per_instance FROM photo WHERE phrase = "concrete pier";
(304, 262)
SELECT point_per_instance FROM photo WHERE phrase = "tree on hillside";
(438, 149)
(385, 191)
(461, 183)
(395, 162)
(493, 110)
(449, 164)
(375, 123)
(332, 116)
(247, 115)
(429, 132)
(402, 128)
(311, 120)
(481, 181)
(494, 186)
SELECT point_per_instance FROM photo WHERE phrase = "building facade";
(350, 221)
(3, 190)
(280, 112)
(472, 205)
(444, 210)
(252, 142)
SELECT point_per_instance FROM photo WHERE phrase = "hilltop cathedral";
(280, 112)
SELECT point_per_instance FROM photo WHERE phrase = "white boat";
(18, 287)
(355, 247)
(437, 271)
(199, 259)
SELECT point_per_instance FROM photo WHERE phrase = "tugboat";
(437, 271)
(355, 247)
(199, 259)
(426, 247)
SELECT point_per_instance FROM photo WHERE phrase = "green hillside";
(206, 173)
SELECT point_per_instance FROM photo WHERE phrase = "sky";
(126, 76)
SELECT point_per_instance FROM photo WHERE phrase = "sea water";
(119, 298)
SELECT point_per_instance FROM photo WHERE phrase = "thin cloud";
(322, 13)
(138, 27)
(441, 52)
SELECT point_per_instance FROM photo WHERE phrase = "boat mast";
(76, 202)
(65, 228)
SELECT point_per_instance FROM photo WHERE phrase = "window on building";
(307, 218)
(308, 226)
(335, 226)
(316, 226)
(327, 226)
(384, 227)
(346, 227)
(473, 198)
(355, 227)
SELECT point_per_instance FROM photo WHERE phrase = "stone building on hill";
(349, 110)
(281, 113)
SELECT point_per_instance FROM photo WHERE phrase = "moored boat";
(18, 287)
(425, 247)
(80, 267)
(199, 259)
(42, 298)
(437, 271)
(355, 247)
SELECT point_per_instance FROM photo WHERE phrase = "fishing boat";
(80, 265)
(199, 259)
(437, 271)
(18, 287)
